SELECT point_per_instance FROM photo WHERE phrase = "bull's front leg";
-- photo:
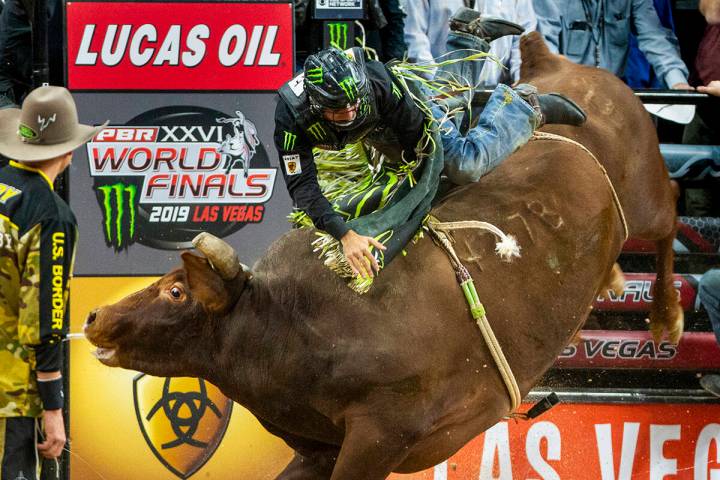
(372, 449)
(311, 466)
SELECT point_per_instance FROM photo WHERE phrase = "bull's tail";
(536, 56)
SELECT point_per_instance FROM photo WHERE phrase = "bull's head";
(161, 329)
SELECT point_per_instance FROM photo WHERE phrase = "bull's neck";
(243, 343)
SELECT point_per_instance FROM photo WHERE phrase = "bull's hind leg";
(666, 313)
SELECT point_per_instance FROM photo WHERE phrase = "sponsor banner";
(127, 425)
(695, 235)
(635, 349)
(637, 295)
(593, 442)
(168, 168)
(179, 45)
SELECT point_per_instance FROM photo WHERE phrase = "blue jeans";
(709, 293)
(506, 123)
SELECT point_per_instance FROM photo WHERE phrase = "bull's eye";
(175, 292)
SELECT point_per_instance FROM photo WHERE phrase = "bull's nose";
(90, 318)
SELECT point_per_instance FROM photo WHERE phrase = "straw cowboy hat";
(46, 126)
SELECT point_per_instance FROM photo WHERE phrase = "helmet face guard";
(334, 81)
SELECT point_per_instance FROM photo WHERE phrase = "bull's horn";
(221, 256)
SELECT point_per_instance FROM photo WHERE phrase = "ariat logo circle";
(26, 132)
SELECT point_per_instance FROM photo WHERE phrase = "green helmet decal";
(349, 87)
(315, 75)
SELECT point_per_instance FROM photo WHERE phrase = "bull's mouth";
(106, 355)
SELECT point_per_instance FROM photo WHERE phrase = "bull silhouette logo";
(119, 203)
(239, 148)
(183, 420)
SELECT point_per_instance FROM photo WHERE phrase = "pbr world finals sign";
(174, 172)
(189, 89)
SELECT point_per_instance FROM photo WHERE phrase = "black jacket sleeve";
(298, 167)
(397, 109)
(57, 248)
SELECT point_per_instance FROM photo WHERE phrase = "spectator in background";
(597, 33)
(427, 29)
(707, 67)
(705, 127)
(16, 56)
(386, 40)
(709, 293)
(638, 72)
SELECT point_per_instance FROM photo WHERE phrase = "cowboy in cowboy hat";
(38, 234)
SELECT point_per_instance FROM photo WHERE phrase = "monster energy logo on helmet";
(338, 32)
(119, 214)
(349, 87)
(315, 75)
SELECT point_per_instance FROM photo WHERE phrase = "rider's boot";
(552, 108)
(470, 21)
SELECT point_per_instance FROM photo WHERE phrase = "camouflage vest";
(35, 226)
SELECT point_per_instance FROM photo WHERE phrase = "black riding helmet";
(335, 81)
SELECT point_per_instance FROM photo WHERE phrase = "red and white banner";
(637, 294)
(593, 442)
(179, 46)
(634, 349)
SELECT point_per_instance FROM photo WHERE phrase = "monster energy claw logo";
(349, 87)
(338, 34)
(317, 131)
(119, 212)
(315, 75)
(289, 141)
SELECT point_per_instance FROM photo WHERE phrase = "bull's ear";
(216, 295)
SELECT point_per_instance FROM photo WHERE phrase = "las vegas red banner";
(179, 46)
(593, 442)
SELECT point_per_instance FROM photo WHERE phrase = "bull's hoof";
(615, 283)
(670, 320)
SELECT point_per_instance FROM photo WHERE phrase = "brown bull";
(400, 378)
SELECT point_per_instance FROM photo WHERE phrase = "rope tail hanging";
(506, 248)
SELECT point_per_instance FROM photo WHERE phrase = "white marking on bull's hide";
(551, 218)
(527, 227)
(589, 92)
(608, 108)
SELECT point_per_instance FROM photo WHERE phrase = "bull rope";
(506, 248)
(616, 199)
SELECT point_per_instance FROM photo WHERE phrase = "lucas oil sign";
(172, 172)
(179, 46)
